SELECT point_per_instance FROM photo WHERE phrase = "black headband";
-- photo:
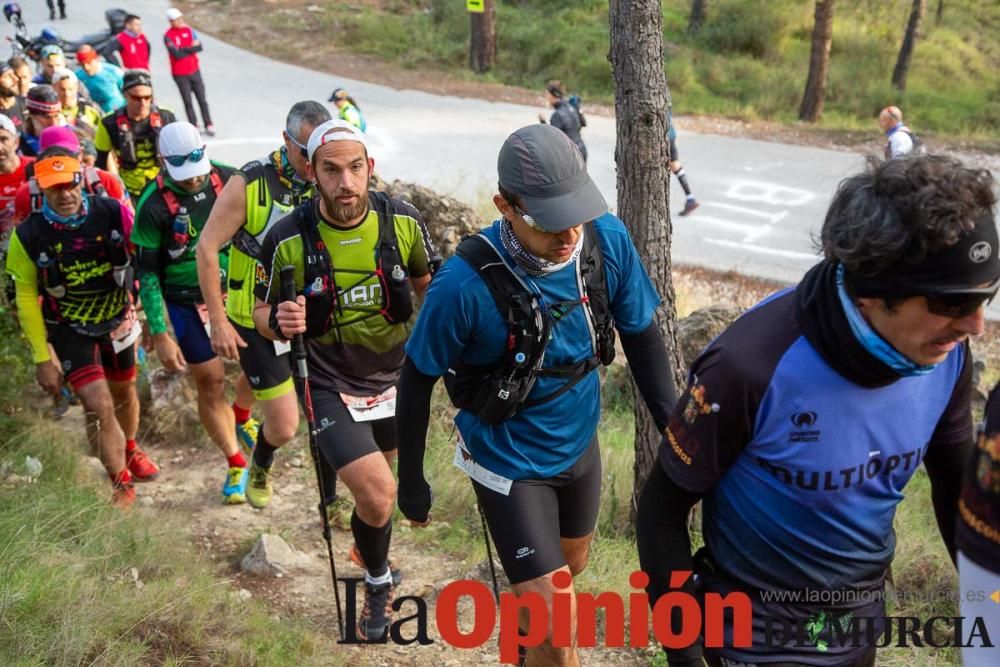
(973, 261)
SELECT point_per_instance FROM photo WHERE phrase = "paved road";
(762, 202)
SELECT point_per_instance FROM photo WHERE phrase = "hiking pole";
(489, 554)
(301, 373)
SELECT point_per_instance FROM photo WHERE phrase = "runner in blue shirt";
(528, 437)
(803, 422)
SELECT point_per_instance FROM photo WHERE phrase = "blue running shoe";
(234, 491)
(246, 433)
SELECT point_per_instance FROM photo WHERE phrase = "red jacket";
(182, 64)
(134, 50)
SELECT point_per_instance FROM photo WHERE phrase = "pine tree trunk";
(641, 154)
(902, 69)
(698, 11)
(819, 63)
(940, 12)
(483, 39)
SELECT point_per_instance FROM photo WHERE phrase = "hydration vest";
(323, 294)
(51, 281)
(495, 393)
(275, 189)
(126, 137)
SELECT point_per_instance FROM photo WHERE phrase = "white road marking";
(769, 193)
(772, 217)
(791, 254)
(749, 232)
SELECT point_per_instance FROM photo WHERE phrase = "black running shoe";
(376, 615)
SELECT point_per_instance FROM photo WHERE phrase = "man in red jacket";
(133, 47)
(183, 44)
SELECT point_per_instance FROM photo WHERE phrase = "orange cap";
(57, 170)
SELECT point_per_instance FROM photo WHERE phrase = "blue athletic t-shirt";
(459, 320)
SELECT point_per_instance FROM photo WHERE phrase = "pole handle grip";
(287, 276)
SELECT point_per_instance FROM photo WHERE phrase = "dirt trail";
(188, 489)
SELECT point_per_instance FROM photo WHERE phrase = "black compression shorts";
(674, 155)
(528, 522)
(342, 440)
(270, 375)
(85, 360)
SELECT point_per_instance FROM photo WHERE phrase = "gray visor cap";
(543, 167)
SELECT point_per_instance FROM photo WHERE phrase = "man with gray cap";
(517, 324)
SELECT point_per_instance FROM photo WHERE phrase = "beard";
(345, 214)
(8, 92)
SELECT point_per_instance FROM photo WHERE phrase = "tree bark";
(698, 11)
(483, 39)
(641, 155)
(819, 63)
(902, 69)
(940, 12)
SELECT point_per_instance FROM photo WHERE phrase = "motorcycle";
(24, 45)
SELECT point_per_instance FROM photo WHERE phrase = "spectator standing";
(52, 9)
(901, 140)
(183, 46)
(133, 47)
(102, 79)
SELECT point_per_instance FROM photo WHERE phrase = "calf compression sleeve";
(373, 545)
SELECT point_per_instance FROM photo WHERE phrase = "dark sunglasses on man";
(178, 160)
(961, 302)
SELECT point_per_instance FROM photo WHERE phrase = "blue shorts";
(192, 338)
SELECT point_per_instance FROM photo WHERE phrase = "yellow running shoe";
(259, 489)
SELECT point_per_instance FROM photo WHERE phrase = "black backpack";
(322, 294)
(495, 393)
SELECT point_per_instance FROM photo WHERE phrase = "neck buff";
(536, 267)
(877, 346)
(287, 171)
(67, 221)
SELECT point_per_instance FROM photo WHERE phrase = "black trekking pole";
(301, 372)
(489, 554)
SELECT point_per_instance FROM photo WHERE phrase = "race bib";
(370, 408)
(464, 462)
(131, 336)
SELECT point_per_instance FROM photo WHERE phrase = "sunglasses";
(961, 304)
(528, 220)
(178, 160)
(302, 149)
(140, 98)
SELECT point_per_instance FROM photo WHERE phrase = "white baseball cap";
(335, 130)
(173, 14)
(7, 124)
(181, 139)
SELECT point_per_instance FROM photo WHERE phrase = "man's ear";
(503, 206)
(310, 172)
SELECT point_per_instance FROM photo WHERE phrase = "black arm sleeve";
(413, 409)
(647, 358)
(664, 546)
(944, 468)
(174, 51)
